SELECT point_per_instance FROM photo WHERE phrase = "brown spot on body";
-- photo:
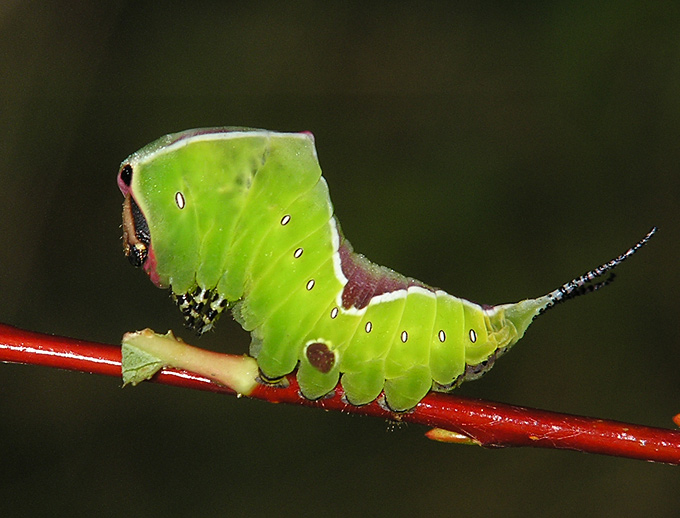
(320, 357)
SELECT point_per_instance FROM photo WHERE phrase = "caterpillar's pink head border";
(136, 235)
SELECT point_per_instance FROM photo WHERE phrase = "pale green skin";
(238, 186)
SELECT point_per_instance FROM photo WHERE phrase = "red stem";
(486, 423)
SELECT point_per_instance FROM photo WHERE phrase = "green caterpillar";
(241, 218)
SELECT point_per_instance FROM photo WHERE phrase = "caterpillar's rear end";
(240, 218)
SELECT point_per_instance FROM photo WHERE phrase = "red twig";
(485, 423)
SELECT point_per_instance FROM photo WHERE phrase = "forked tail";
(584, 284)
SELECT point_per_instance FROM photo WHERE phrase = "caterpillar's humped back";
(241, 218)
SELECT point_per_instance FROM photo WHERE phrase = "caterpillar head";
(184, 194)
(136, 235)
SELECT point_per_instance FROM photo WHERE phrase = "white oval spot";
(297, 253)
(179, 200)
(442, 336)
(404, 336)
(369, 326)
(473, 336)
(310, 284)
(334, 312)
(285, 219)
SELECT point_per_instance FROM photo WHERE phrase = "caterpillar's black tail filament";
(584, 284)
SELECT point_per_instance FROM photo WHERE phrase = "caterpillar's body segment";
(242, 218)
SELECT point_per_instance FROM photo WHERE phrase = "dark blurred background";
(495, 151)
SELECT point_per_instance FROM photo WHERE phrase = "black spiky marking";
(200, 308)
(582, 285)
